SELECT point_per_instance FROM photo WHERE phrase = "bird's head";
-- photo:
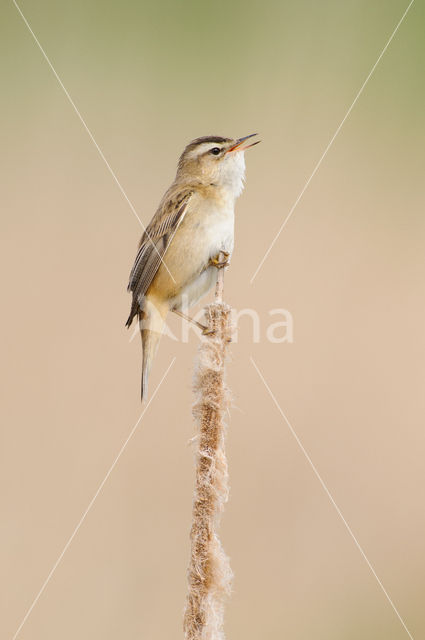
(217, 161)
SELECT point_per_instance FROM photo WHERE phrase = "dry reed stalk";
(209, 573)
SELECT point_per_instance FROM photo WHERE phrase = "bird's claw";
(208, 331)
(220, 264)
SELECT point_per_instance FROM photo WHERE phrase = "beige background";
(349, 266)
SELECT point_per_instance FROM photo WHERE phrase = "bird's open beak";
(239, 146)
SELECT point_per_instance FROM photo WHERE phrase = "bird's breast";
(206, 229)
(212, 224)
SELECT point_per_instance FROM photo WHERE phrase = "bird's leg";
(220, 264)
(205, 330)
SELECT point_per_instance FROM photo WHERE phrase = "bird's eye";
(215, 151)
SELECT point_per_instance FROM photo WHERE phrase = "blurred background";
(349, 266)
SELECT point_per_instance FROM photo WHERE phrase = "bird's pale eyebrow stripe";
(204, 148)
(207, 140)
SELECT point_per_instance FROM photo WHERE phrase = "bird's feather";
(155, 242)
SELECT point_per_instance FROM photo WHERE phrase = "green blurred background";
(349, 266)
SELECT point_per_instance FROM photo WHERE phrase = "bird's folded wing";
(154, 244)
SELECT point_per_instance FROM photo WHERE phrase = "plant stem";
(209, 574)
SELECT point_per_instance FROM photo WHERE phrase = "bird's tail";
(151, 327)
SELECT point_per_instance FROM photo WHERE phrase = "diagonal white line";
(91, 503)
(291, 211)
(328, 493)
(80, 117)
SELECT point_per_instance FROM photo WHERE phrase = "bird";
(190, 237)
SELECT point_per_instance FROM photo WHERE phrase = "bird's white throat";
(231, 173)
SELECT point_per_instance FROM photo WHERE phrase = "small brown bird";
(179, 252)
